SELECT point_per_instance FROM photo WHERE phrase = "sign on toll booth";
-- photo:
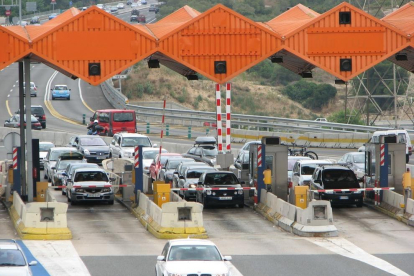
(384, 164)
(269, 155)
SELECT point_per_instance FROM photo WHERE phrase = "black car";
(59, 170)
(329, 177)
(135, 12)
(134, 18)
(154, 8)
(93, 147)
(220, 179)
(35, 20)
(204, 150)
(38, 112)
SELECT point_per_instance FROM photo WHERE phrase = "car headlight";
(240, 192)
(329, 192)
(106, 190)
(79, 190)
(85, 151)
(208, 192)
(192, 186)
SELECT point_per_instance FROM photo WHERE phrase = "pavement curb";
(401, 218)
(164, 232)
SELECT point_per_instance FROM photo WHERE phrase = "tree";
(339, 117)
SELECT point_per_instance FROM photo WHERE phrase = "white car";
(12, 259)
(100, 6)
(43, 149)
(122, 144)
(134, 5)
(148, 156)
(120, 6)
(192, 257)
(303, 170)
(51, 159)
(89, 184)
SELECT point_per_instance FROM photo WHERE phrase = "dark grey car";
(93, 147)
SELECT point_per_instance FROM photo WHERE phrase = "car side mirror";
(161, 258)
(32, 263)
(53, 168)
(227, 258)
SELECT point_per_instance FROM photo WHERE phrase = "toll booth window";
(269, 162)
(389, 164)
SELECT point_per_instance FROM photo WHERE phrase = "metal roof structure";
(218, 43)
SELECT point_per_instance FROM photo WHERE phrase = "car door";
(114, 145)
(46, 164)
(198, 154)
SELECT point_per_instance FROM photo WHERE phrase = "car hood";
(52, 164)
(14, 271)
(199, 267)
(147, 162)
(305, 177)
(360, 166)
(96, 148)
(189, 181)
(42, 154)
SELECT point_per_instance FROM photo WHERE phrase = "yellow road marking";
(8, 108)
(59, 116)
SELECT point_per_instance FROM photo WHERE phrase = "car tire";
(53, 98)
(240, 205)
(63, 192)
(69, 200)
(68, 98)
(72, 202)
(407, 158)
(359, 204)
(44, 125)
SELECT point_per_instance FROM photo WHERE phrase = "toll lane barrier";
(40, 220)
(409, 212)
(393, 202)
(174, 220)
(314, 221)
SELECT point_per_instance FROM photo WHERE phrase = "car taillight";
(43, 117)
(409, 149)
(290, 184)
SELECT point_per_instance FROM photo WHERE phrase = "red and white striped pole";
(14, 158)
(162, 132)
(259, 164)
(136, 157)
(228, 117)
(219, 126)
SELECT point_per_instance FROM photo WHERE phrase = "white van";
(402, 137)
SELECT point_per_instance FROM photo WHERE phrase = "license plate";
(100, 157)
(225, 198)
(343, 197)
(94, 195)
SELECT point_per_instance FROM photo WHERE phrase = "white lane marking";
(14, 85)
(347, 249)
(58, 257)
(48, 84)
(8, 95)
(80, 90)
(11, 90)
(17, 81)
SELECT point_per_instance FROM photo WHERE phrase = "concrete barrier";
(40, 220)
(330, 140)
(359, 139)
(179, 219)
(315, 139)
(314, 221)
(393, 202)
(409, 212)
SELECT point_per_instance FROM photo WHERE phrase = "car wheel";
(241, 205)
(110, 155)
(120, 156)
(53, 98)
(407, 158)
(63, 192)
(44, 125)
(72, 202)
(69, 200)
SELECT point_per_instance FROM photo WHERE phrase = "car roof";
(335, 167)
(299, 158)
(154, 149)
(9, 244)
(46, 143)
(355, 153)
(190, 242)
(126, 134)
(221, 172)
(302, 162)
(205, 140)
(63, 148)
(93, 169)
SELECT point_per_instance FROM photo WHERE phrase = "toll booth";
(385, 164)
(273, 155)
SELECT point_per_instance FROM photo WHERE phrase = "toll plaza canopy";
(219, 44)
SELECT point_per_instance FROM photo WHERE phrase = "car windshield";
(339, 179)
(63, 164)
(45, 147)
(11, 257)
(91, 176)
(172, 165)
(151, 154)
(359, 158)
(221, 179)
(194, 253)
(83, 165)
(135, 141)
(164, 158)
(54, 155)
(124, 117)
(37, 110)
(308, 169)
(92, 141)
(210, 151)
(196, 173)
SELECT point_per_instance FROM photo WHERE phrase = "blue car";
(53, 15)
(60, 92)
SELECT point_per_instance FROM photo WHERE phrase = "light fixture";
(192, 77)
(94, 69)
(276, 59)
(306, 75)
(153, 63)
(220, 67)
(345, 17)
(339, 81)
(401, 57)
(345, 64)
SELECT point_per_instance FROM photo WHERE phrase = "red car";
(157, 164)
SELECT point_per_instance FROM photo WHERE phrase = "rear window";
(221, 179)
(124, 117)
(91, 176)
(37, 110)
(308, 169)
(339, 179)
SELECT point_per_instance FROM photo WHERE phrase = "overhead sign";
(8, 13)
(117, 77)
(31, 6)
(52, 2)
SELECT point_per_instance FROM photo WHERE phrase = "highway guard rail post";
(40, 220)
(314, 221)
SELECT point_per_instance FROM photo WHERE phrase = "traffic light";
(220, 67)
(345, 64)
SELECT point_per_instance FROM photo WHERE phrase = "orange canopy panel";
(14, 45)
(93, 38)
(292, 19)
(220, 44)
(345, 41)
(173, 21)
